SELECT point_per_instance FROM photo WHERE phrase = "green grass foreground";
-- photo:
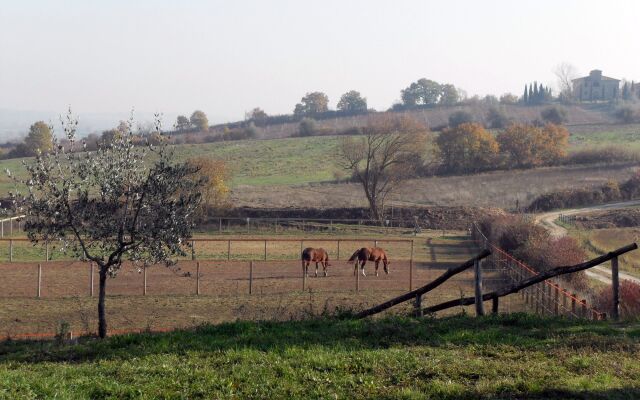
(515, 356)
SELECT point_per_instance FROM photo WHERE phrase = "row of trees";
(198, 122)
(427, 92)
(535, 94)
(470, 148)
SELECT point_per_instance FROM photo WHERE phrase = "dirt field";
(276, 291)
(496, 189)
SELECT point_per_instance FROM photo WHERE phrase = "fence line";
(546, 298)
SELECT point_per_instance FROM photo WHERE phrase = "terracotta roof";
(603, 78)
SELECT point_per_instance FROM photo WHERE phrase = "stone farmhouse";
(596, 87)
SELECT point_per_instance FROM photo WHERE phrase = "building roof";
(603, 78)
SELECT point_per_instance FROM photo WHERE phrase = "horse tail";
(355, 255)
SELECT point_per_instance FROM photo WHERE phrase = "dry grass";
(495, 189)
(602, 240)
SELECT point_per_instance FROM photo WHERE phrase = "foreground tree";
(383, 156)
(110, 205)
(352, 101)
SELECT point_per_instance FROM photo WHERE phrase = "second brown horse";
(375, 254)
(319, 256)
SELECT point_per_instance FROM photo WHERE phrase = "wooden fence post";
(338, 256)
(265, 250)
(573, 305)
(39, 279)
(228, 250)
(193, 250)
(565, 294)
(250, 277)
(91, 278)
(304, 275)
(411, 268)
(2, 228)
(144, 280)
(615, 287)
(198, 278)
(495, 305)
(220, 225)
(583, 312)
(46, 254)
(556, 306)
(418, 306)
(276, 223)
(477, 267)
(10, 250)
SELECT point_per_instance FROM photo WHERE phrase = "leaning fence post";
(39, 279)
(477, 266)
(615, 287)
(198, 278)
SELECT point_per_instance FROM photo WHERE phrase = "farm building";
(596, 87)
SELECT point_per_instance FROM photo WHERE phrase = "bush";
(460, 117)
(554, 115)
(529, 146)
(626, 114)
(496, 118)
(307, 127)
(467, 148)
(601, 155)
(629, 299)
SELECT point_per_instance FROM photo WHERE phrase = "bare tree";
(389, 151)
(565, 73)
(110, 205)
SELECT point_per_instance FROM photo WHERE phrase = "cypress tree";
(525, 98)
(530, 94)
(625, 91)
(536, 93)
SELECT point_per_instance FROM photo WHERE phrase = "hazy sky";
(225, 57)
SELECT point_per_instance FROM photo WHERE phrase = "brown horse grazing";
(319, 255)
(375, 254)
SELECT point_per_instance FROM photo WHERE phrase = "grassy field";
(599, 241)
(294, 161)
(504, 357)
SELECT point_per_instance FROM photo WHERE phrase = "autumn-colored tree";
(525, 146)
(352, 101)
(383, 156)
(199, 120)
(311, 104)
(39, 139)
(215, 191)
(467, 147)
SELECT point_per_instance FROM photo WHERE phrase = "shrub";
(307, 127)
(554, 115)
(626, 114)
(496, 118)
(598, 155)
(527, 146)
(460, 117)
(467, 148)
(629, 299)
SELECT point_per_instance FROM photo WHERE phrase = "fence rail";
(548, 297)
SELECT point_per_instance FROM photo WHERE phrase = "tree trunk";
(102, 318)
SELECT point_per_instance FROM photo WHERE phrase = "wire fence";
(548, 297)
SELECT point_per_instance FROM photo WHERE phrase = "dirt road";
(548, 220)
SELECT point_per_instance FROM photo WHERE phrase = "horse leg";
(324, 268)
(316, 269)
(386, 266)
(362, 267)
(377, 265)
